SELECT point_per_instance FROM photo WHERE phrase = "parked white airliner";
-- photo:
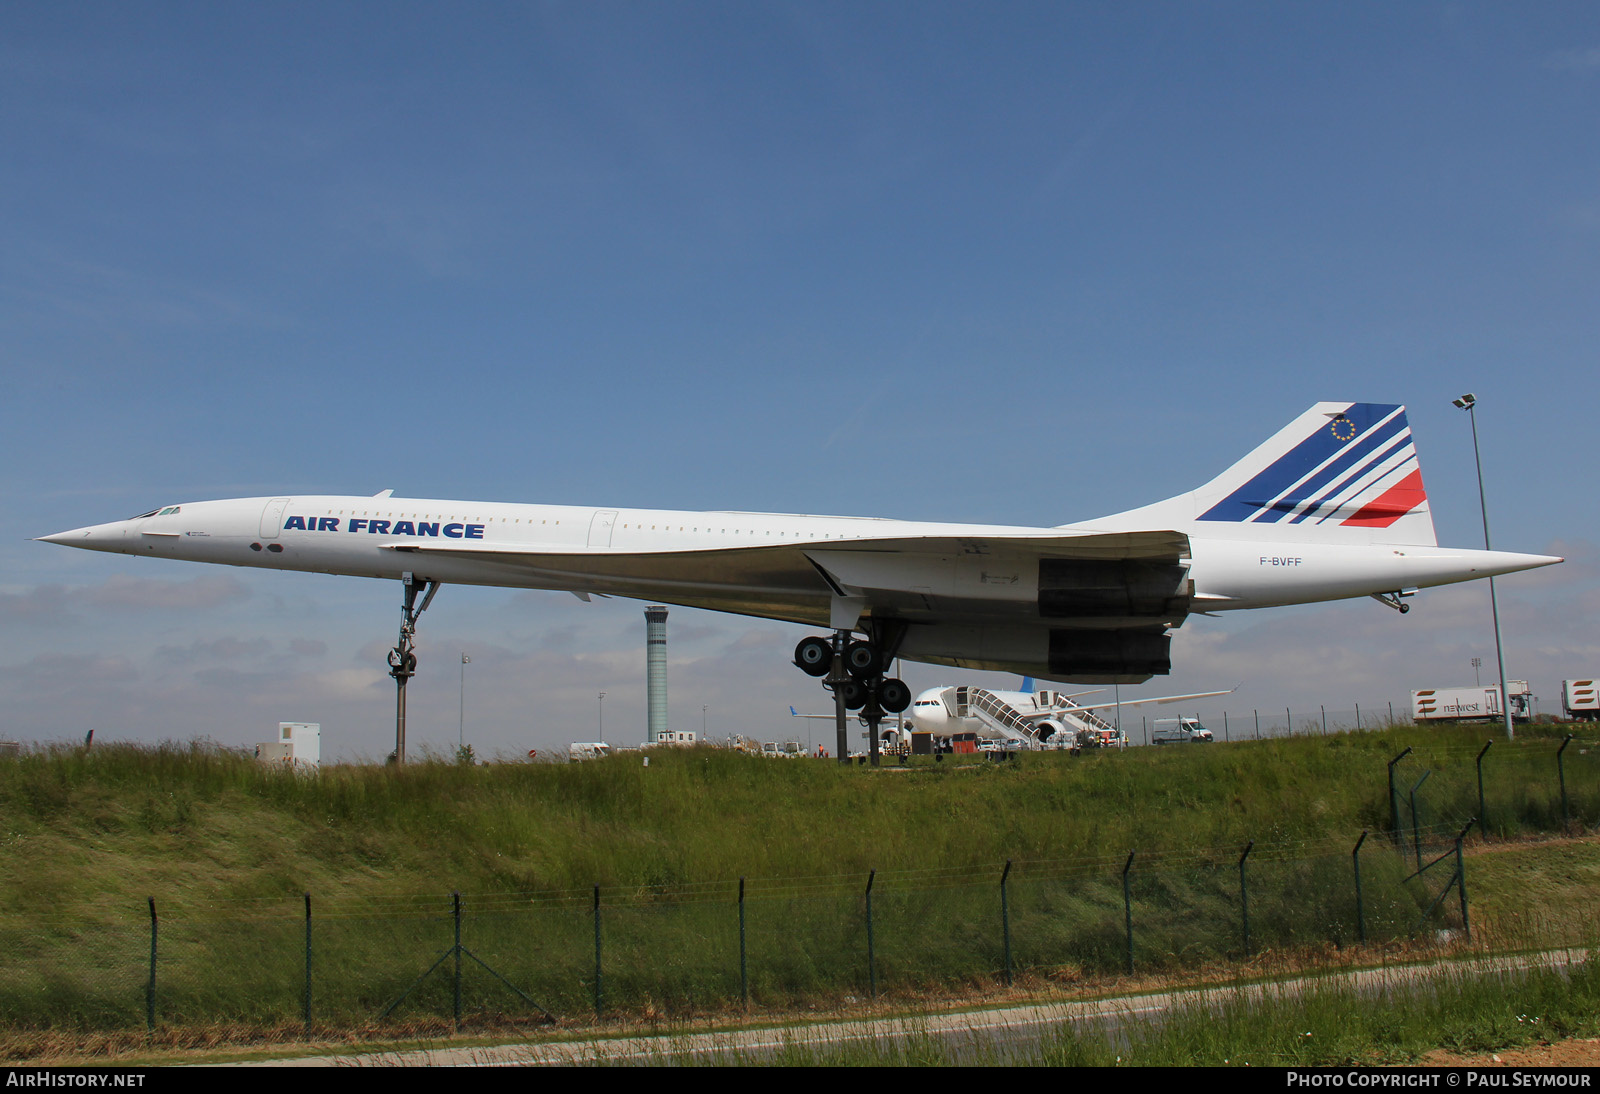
(1330, 507)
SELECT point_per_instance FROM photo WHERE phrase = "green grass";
(1326, 1025)
(227, 847)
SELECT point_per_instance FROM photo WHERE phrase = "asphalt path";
(986, 1034)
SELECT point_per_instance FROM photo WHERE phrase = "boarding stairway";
(1012, 723)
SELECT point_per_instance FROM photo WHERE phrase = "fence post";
(1244, 898)
(1416, 819)
(1257, 713)
(1461, 880)
(1561, 771)
(872, 961)
(1225, 727)
(455, 911)
(150, 985)
(1394, 799)
(1324, 709)
(1005, 919)
(1127, 909)
(598, 997)
(1358, 717)
(744, 967)
(1483, 823)
(308, 966)
(1289, 722)
(1361, 917)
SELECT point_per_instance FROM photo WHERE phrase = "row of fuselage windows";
(635, 527)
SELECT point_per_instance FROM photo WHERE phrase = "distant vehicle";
(587, 750)
(1581, 699)
(1101, 738)
(1474, 704)
(1174, 731)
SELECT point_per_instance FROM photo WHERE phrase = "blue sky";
(1020, 263)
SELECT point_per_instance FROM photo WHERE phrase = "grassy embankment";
(226, 847)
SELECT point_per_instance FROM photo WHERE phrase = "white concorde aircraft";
(1332, 506)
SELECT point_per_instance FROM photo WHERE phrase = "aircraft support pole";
(403, 659)
(400, 677)
(873, 713)
(837, 678)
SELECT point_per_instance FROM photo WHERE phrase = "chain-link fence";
(767, 942)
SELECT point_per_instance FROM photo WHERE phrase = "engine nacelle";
(1047, 729)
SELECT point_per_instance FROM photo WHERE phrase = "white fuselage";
(1331, 506)
(386, 537)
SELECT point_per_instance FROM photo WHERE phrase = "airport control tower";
(655, 661)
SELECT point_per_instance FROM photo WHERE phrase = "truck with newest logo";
(1581, 699)
(1474, 704)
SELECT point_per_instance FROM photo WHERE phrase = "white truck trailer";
(299, 745)
(1474, 704)
(1581, 699)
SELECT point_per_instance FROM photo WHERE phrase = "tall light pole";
(602, 715)
(461, 731)
(1469, 403)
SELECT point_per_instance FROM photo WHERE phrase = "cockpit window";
(141, 516)
(168, 511)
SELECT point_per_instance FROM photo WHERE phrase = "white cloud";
(120, 592)
(59, 672)
(145, 593)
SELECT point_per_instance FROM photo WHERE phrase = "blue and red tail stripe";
(1338, 465)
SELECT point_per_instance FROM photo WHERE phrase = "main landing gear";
(403, 659)
(854, 671)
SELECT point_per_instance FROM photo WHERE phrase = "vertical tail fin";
(1340, 472)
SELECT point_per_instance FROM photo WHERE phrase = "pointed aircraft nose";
(94, 537)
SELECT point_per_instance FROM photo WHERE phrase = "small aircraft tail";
(1340, 472)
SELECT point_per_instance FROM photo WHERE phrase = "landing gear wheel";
(814, 656)
(893, 696)
(855, 694)
(861, 658)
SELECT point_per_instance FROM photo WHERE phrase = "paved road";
(986, 1033)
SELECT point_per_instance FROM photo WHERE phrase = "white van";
(1171, 731)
